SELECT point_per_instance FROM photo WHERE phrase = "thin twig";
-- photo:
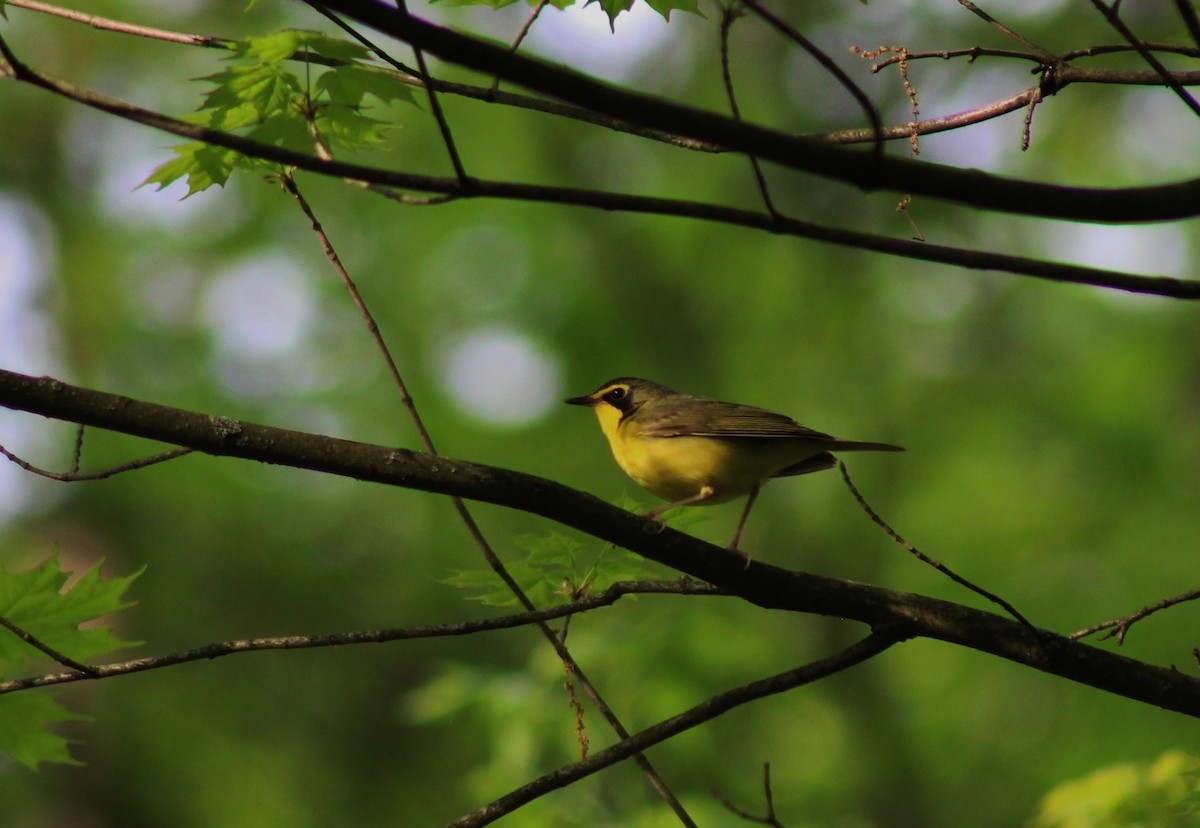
(81, 670)
(719, 704)
(77, 450)
(409, 76)
(597, 600)
(903, 175)
(1140, 204)
(728, 15)
(903, 209)
(468, 519)
(940, 567)
(1119, 627)
(1062, 77)
(1129, 204)
(767, 819)
(522, 34)
(1114, 48)
(74, 476)
(929, 126)
(368, 44)
(110, 25)
(402, 73)
(435, 107)
(576, 706)
(1187, 11)
(1027, 127)
(830, 66)
(1114, 20)
(974, 52)
(1045, 54)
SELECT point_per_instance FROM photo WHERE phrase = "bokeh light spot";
(501, 376)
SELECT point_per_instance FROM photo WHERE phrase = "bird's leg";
(737, 536)
(704, 494)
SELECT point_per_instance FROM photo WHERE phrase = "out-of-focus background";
(1053, 431)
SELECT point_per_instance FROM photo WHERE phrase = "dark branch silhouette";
(903, 614)
(970, 259)
(863, 170)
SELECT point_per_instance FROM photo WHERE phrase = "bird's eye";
(616, 395)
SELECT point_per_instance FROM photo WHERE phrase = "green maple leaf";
(665, 7)
(554, 566)
(36, 602)
(202, 164)
(279, 46)
(348, 85)
(276, 88)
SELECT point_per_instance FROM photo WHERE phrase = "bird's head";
(620, 398)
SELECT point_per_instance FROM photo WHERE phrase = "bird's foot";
(654, 524)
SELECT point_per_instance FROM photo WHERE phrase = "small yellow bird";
(695, 450)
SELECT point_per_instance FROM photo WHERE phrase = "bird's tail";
(852, 445)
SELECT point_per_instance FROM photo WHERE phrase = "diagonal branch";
(1187, 11)
(925, 559)
(110, 25)
(1045, 54)
(863, 170)
(435, 107)
(1177, 195)
(556, 641)
(766, 586)
(409, 76)
(79, 669)
(1119, 627)
(604, 598)
(1114, 19)
(872, 645)
(829, 65)
(76, 476)
(728, 16)
(402, 74)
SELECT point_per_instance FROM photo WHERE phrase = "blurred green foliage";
(1053, 434)
(1164, 793)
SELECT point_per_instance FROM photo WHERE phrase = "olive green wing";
(702, 417)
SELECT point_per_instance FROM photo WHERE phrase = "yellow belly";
(675, 468)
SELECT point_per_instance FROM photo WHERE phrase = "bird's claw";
(653, 524)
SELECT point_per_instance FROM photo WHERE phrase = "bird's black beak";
(588, 401)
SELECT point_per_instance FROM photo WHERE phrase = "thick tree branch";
(971, 259)
(902, 614)
(1064, 76)
(863, 170)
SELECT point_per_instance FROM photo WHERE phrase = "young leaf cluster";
(555, 569)
(262, 96)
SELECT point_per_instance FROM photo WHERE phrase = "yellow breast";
(675, 468)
